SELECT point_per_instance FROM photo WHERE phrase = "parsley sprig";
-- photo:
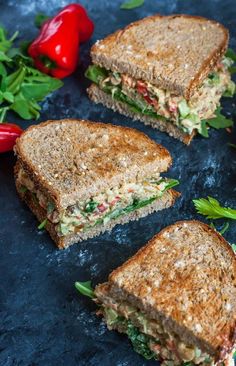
(212, 209)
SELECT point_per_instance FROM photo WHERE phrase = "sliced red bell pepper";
(8, 135)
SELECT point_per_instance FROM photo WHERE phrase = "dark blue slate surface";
(43, 321)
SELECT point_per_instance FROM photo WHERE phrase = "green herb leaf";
(140, 341)
(132, 4)
(96, 73)
(234, 249)
(219, 121)
(171, 183)
(90, 206)
(231, 54)
(4, 57)
(85, 288)
(24, 108)
(232, 70)
(211, 208)
(43, 224)
(39, 19)
(224, 228)
(204, 130)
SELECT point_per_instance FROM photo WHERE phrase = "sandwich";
(176, 298)
(81, 178)
(166, 71)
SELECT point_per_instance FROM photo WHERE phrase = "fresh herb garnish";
(96, 73)
(219, 121)
(43, 224)
(132, 4)
(232, 145)
(21, 85)
(211, 208)
(140, 341)
(85, 288)
(90, 206)
(231, 54)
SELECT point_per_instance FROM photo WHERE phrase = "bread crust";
(99, 96)
(166, 201)
(101, 177)
(103, 54)
(218, 341)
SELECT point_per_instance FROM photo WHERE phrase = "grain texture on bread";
(72, 160)
(99, 96)
(185, 278)
(165, 201)
(174, 52)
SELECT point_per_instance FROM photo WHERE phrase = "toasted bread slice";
(165, 201)
(99, 96)
(69, 160)
(185, 279)
(174, 52)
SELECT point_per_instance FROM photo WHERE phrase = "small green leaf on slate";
(219, 121)
(42, 225)
(204, 130)
(231, 54)
(132, 4)
(85, 288)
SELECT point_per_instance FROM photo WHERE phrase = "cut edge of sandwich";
(63, 242)
(97, 95)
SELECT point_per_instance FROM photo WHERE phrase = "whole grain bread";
(185, 278)
(99, 96)
(72, 160)
(174, 52)
(165, 201)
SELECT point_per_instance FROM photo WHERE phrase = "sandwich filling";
(150, 338)
(145, 98)
(101, 208)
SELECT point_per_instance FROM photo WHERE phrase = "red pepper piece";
(85, 24)
(56, 49)
(8, 135)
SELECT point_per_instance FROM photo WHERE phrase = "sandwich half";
(166, 71)
(176, 298)
(81, 178)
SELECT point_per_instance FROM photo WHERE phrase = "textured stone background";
(43, 320)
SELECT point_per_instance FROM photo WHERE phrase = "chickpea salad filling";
(102, 208)
(145, 98)
(150, 338)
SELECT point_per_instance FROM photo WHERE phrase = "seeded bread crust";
(158, 48)
(165, 201)
(99, 96)
(69, 160)
(185, 278)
